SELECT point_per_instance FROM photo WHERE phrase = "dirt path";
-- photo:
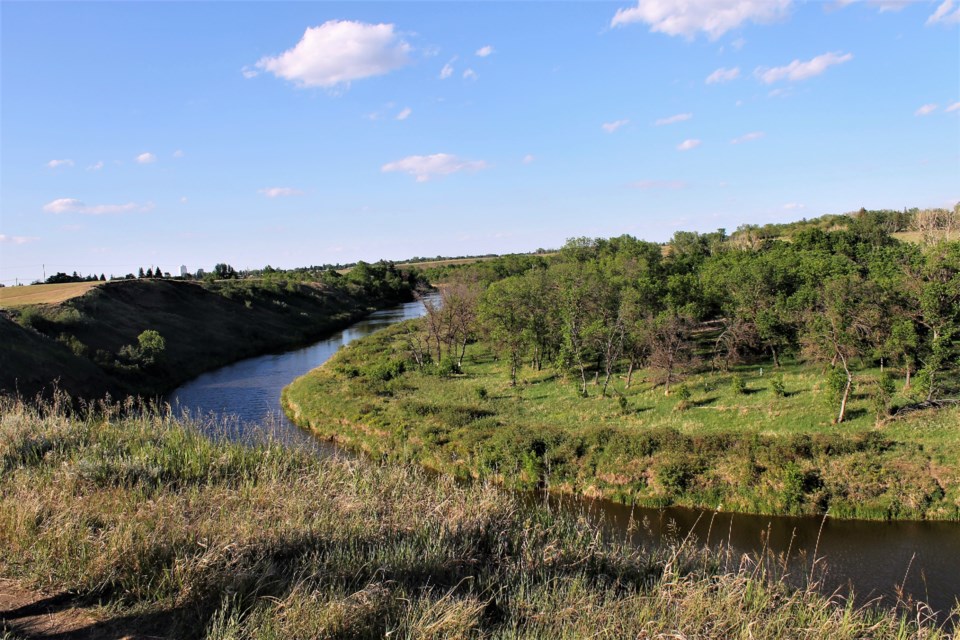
(29, 614)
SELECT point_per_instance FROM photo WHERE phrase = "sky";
(160, 134)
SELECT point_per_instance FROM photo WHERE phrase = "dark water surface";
(917, 561)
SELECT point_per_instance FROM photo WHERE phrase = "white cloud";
(280, 192)
(178, 153)
(925, 110)
(747, 137)
(529, 158)
(96, 166)
(953, 107)
(53, 164)
(738, 43)
(403, 115)
(338, 52)
(882, 5)
(447, 70)
(146, 158)
(686, 145)
(184, 200)
(723, 75)
(689, 17)
(423, 168)
(610, 127)
(680, 117)
(658, 184)
(794, 205)
(942, 14)
(5, 239)
(72, 205)
(249, 73)
(798, 70)
(483, 52)
(469, 74)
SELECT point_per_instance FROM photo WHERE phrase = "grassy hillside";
(151, 527)
(93, 338)
(752, 450)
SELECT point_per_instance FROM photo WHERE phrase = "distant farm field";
(43, 293)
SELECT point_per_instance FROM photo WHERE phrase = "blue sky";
(161, 134)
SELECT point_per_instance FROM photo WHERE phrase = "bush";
(683, 397)
(482, 393)
(779, 389)
(738, 383)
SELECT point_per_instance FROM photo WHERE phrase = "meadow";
(730, 438)
(153, 530)
(15, 297)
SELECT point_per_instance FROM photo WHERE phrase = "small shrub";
(624, 404)
(683, 397)
(738, 383)
(779, 389)
(883, 394)
(482, 393)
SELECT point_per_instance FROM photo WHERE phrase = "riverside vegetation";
(152, 527)
(811, 372)
(146, 336)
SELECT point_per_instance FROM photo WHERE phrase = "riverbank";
(749, 449)
(145, 524)
(91, 345)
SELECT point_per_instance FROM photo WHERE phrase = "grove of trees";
(849, 297)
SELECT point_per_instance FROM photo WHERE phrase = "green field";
(153, 530)
(753, 451)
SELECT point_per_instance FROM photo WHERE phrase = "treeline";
(851, 298)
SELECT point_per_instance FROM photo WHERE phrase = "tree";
(671, 347)
(840, 327)
(141, 274)
(502, 310)
(223, 271)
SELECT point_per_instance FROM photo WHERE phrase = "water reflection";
(242, 401)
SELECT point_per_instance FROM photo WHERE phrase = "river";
(915, 561)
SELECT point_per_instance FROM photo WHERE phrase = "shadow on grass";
(704, 402)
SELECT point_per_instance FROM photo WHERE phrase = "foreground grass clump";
(187, 537)
(755, 442)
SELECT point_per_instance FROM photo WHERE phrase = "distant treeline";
(840, 290)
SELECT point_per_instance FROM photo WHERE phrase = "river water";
(884, 561)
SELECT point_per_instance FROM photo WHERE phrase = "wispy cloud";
(339, 52)
(447, 70)
(691, 17)
(680, 117)
(66, 162)
(529, 158)
(658, 184)
(72, 205)
(178, 153)
(723, 75)
(469, 74)
(404, 114)
(146, 158)
(925, 110)
(483, 52)
(423, 168)
(791, 206)
(280, 192)
(945, 14)
(5, 239)
(686, 145)
(610, 127)
(747, 137)
(96, 166)
(798, 70)
(953, 107)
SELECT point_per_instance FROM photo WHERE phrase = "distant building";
(183, 270)
(199, 274)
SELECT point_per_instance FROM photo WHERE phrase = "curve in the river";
(912, 560)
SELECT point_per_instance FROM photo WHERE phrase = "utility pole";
(44, 271)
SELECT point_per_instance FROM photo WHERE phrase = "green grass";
(153, 526)
(753, 452)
